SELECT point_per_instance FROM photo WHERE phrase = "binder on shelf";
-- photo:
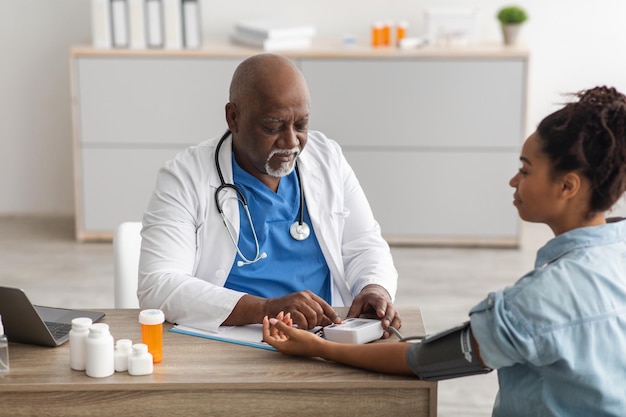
(100, 24)
(137, 20)
(154, 24)
(173, 24)
(192, 32)
(119, 15)
(270, 29)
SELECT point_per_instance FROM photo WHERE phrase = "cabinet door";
(440, 197)
(134, 113)
(152, 101)
(449, 103)
(441, 134)
(117, 185)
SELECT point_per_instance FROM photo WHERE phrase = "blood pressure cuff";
(445, 355)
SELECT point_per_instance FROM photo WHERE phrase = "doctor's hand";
(374, 299)
(306, 309)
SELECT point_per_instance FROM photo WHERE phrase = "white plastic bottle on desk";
(140, 362)
(123, 350)
(4, 350)
(100, 358)
(78, 342)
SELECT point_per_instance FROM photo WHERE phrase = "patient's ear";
(570, 185)
(232, 117)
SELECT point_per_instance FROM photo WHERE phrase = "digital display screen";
(355, 323)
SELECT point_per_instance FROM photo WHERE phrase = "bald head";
(268, 115)
(260, 76)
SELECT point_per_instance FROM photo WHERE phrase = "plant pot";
(510, 32)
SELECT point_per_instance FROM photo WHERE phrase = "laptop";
(37, 325)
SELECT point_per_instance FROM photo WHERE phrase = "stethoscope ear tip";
(263, 255)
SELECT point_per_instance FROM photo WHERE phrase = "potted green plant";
(511, 19)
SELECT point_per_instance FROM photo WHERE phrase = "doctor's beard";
(285, 168)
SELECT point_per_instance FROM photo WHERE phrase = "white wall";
(35, 122)
(573, 44)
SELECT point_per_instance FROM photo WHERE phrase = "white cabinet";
(132, 113)
(433, 136)
(433, 141)
(146, 101)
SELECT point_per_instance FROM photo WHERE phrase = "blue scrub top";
(291, 265)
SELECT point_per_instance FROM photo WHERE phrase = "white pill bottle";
(140, 361)
(100, 353)
(78, 342)
(123, 350)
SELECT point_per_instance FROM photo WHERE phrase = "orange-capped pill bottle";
(377, 34)
(387, 25)
(151, 321)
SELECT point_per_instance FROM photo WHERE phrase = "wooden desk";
(210, 378)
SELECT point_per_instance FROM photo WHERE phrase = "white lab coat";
(187, 254)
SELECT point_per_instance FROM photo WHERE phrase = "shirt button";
(220, 274)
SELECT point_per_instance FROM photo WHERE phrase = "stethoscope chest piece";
(299, 231)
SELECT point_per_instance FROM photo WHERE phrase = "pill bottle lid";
(99, 328)
(140, 348)
(151, 316)
(81, 323)
(125, 344)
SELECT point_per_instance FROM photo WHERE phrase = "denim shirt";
(558, 336)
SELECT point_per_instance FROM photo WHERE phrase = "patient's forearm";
(381, 357)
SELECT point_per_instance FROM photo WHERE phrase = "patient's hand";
(285, 318)
(288, 340)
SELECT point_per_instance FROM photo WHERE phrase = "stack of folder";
(273, 35)
(139, 24)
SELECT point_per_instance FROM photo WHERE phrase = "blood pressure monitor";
(354, 330)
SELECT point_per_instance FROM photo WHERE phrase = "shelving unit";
(433, 134)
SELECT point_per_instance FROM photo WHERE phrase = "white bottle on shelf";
(78, 342)
(100, 360)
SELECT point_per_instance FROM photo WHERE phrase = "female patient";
(557, 336)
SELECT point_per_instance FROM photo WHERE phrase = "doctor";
(268, 217)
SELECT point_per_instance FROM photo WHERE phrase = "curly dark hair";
(589, 136)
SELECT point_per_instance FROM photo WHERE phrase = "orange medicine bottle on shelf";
(387, 26)
(151, 321)
(378, 29)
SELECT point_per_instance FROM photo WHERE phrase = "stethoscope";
(299, 230)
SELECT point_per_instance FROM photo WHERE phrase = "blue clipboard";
(249, 335)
